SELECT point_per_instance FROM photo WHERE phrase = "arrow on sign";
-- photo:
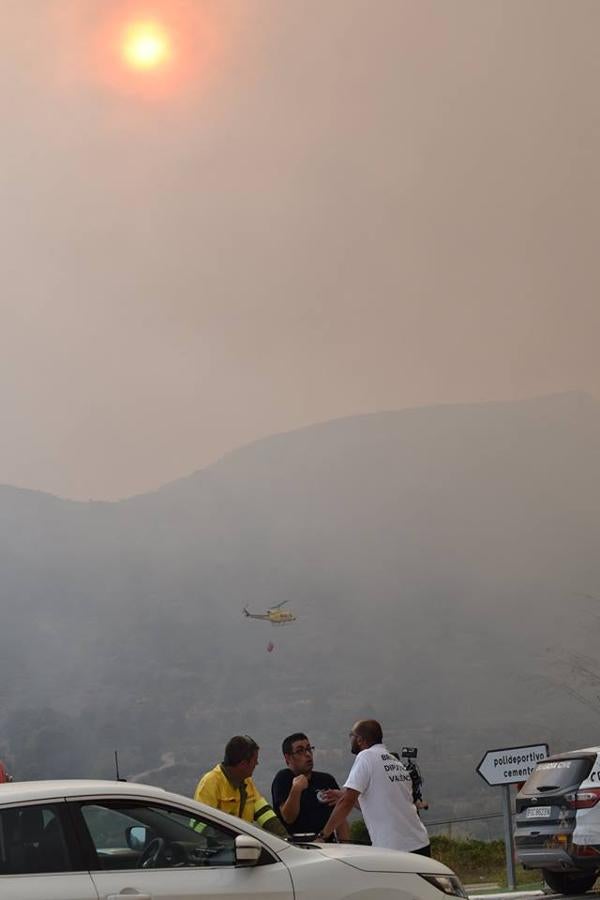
(511, 764)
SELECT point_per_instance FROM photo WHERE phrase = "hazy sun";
(146, 45)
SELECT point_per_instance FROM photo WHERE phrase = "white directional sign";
(511, 764)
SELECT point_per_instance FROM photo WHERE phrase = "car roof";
(570, 754)
(22, 791)
(35, 791)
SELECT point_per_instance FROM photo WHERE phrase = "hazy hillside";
(442, 562)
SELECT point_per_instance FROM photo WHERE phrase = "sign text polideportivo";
(526, 763)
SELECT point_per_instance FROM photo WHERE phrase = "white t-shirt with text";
(386, 800)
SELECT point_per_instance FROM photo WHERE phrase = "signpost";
(510, 765)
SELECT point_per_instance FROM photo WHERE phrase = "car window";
(32, 840)
(556, 775)
(134, 834)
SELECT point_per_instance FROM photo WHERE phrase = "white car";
(105, 840)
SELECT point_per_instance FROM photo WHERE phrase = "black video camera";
(410, 754)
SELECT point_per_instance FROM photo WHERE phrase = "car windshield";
(557, 775)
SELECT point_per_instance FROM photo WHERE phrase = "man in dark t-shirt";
(302, 798)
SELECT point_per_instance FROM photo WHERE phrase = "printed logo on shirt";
(395, 771)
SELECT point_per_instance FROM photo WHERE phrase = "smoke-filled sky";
(317, 208)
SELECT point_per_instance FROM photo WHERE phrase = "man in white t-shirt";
(383, 788)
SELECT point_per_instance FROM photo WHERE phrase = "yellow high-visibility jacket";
(244, 801)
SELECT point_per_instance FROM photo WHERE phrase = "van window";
(557, 775)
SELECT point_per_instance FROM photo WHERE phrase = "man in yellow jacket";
(229, 786)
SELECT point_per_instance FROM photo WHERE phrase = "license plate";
(538, 812)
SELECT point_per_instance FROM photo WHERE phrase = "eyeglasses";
(303, 751)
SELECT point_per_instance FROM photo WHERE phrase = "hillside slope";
(442, 562)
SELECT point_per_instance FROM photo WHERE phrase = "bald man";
(382, 786)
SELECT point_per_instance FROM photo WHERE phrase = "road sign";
(505, 767)
(511, 764)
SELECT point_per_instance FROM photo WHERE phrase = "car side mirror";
(247, 850)
(136, 837)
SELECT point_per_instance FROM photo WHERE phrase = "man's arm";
(340, 813)
(274, 826)
(333, 794)
(342, 832)
(290, 808)
(206, 791)
(266, 818)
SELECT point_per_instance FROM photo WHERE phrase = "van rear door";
(546, 819)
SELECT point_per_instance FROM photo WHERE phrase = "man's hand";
(341, 811)
(290, 810)
(330, 796)
(300, 782)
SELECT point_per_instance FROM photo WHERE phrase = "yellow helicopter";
(276, 615)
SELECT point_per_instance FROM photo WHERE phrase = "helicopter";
(276, 615)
